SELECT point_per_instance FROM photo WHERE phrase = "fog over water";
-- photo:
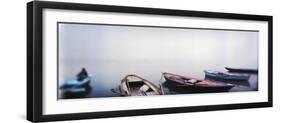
(111, 52)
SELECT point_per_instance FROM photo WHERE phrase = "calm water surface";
(107, 76)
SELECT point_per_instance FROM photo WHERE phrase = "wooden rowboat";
(225, 76)
(196, 85)
(133, 85)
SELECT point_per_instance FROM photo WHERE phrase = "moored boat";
(196, 85)
(225, 76)
(242, 70)
(78, 85)
(133, 85)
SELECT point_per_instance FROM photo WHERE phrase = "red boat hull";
(177, 82)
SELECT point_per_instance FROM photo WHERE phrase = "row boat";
(196, 85)
(225, 76)
(78, 85)
(133, 85)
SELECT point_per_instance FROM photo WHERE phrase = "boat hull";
(76, 84)
(224, 76)
(210, 86)
(240, 70)
(196, 89)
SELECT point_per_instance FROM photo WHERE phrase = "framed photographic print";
(95, 61)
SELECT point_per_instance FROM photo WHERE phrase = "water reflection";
(83, 93)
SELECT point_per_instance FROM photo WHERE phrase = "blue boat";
(226, 76)
(78, 85)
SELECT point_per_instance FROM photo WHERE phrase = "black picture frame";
(35, 69)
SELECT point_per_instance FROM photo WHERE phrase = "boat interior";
(185, 80)
(139, 88)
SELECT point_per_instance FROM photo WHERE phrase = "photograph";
(98, 60)
(88, 60)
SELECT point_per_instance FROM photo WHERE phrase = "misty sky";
(128, 44)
